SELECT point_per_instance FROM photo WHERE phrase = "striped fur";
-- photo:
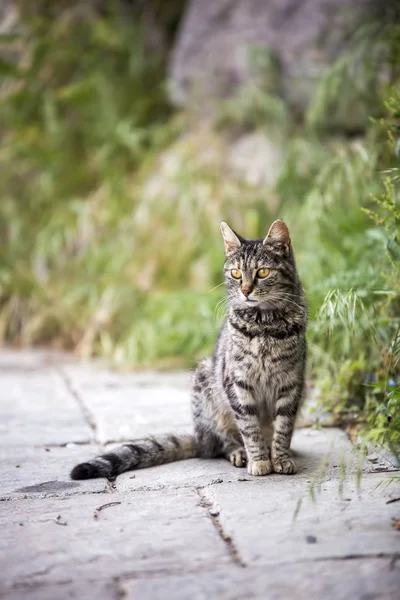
(245, 398)
(138, 455)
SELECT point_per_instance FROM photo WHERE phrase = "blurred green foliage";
(111, 202)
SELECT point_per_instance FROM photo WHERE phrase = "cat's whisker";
(220, 310)
(217, 286)
(284, 298)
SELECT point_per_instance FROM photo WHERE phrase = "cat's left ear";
(231, 240)
(279, 234)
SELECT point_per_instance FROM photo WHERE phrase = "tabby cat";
(254, 380)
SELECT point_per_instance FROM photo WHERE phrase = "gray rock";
(257, 159)
(212, 54)
(9, 16)
(379, 460)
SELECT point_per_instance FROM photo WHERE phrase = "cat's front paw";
(259, 467)
(284, 465)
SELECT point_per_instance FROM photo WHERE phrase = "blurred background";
(130, 129)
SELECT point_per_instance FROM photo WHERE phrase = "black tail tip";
(84, 471)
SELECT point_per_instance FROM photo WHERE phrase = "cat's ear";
(231, 240)
(279, 234)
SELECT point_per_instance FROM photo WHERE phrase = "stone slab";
(127, 407)
(90, 375)
(36, 407)
(261, 518)
(331, 580)
(44, 470)
(147, 532)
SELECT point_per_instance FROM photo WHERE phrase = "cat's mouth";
(260, 303)
(250, 301)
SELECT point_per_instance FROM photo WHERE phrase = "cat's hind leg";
(215, 426)
(209, 443)
(237, 457)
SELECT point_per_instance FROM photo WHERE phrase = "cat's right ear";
(231, 240)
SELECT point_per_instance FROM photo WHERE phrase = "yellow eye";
(236, 274)
(263, 273)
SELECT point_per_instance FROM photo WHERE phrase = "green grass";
(111, 202)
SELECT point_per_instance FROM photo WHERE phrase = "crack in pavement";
(394, 556)
(105, 490)
(111, 487)
(126, 576)
(207, 568)
(119, 589)
(64, 444)
(117, 582)
(86, 412)
(33, 585)
(207, 501)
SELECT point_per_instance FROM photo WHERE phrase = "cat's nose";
(246, 291)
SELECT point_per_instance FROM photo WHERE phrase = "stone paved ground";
(191, 530)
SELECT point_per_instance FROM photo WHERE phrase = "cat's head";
(260, 273)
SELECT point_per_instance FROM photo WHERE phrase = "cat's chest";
(258, 354)
(261, 363)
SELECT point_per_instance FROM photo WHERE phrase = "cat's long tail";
(143, 453)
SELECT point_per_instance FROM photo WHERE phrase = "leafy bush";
(356, 336)
(82, 110)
